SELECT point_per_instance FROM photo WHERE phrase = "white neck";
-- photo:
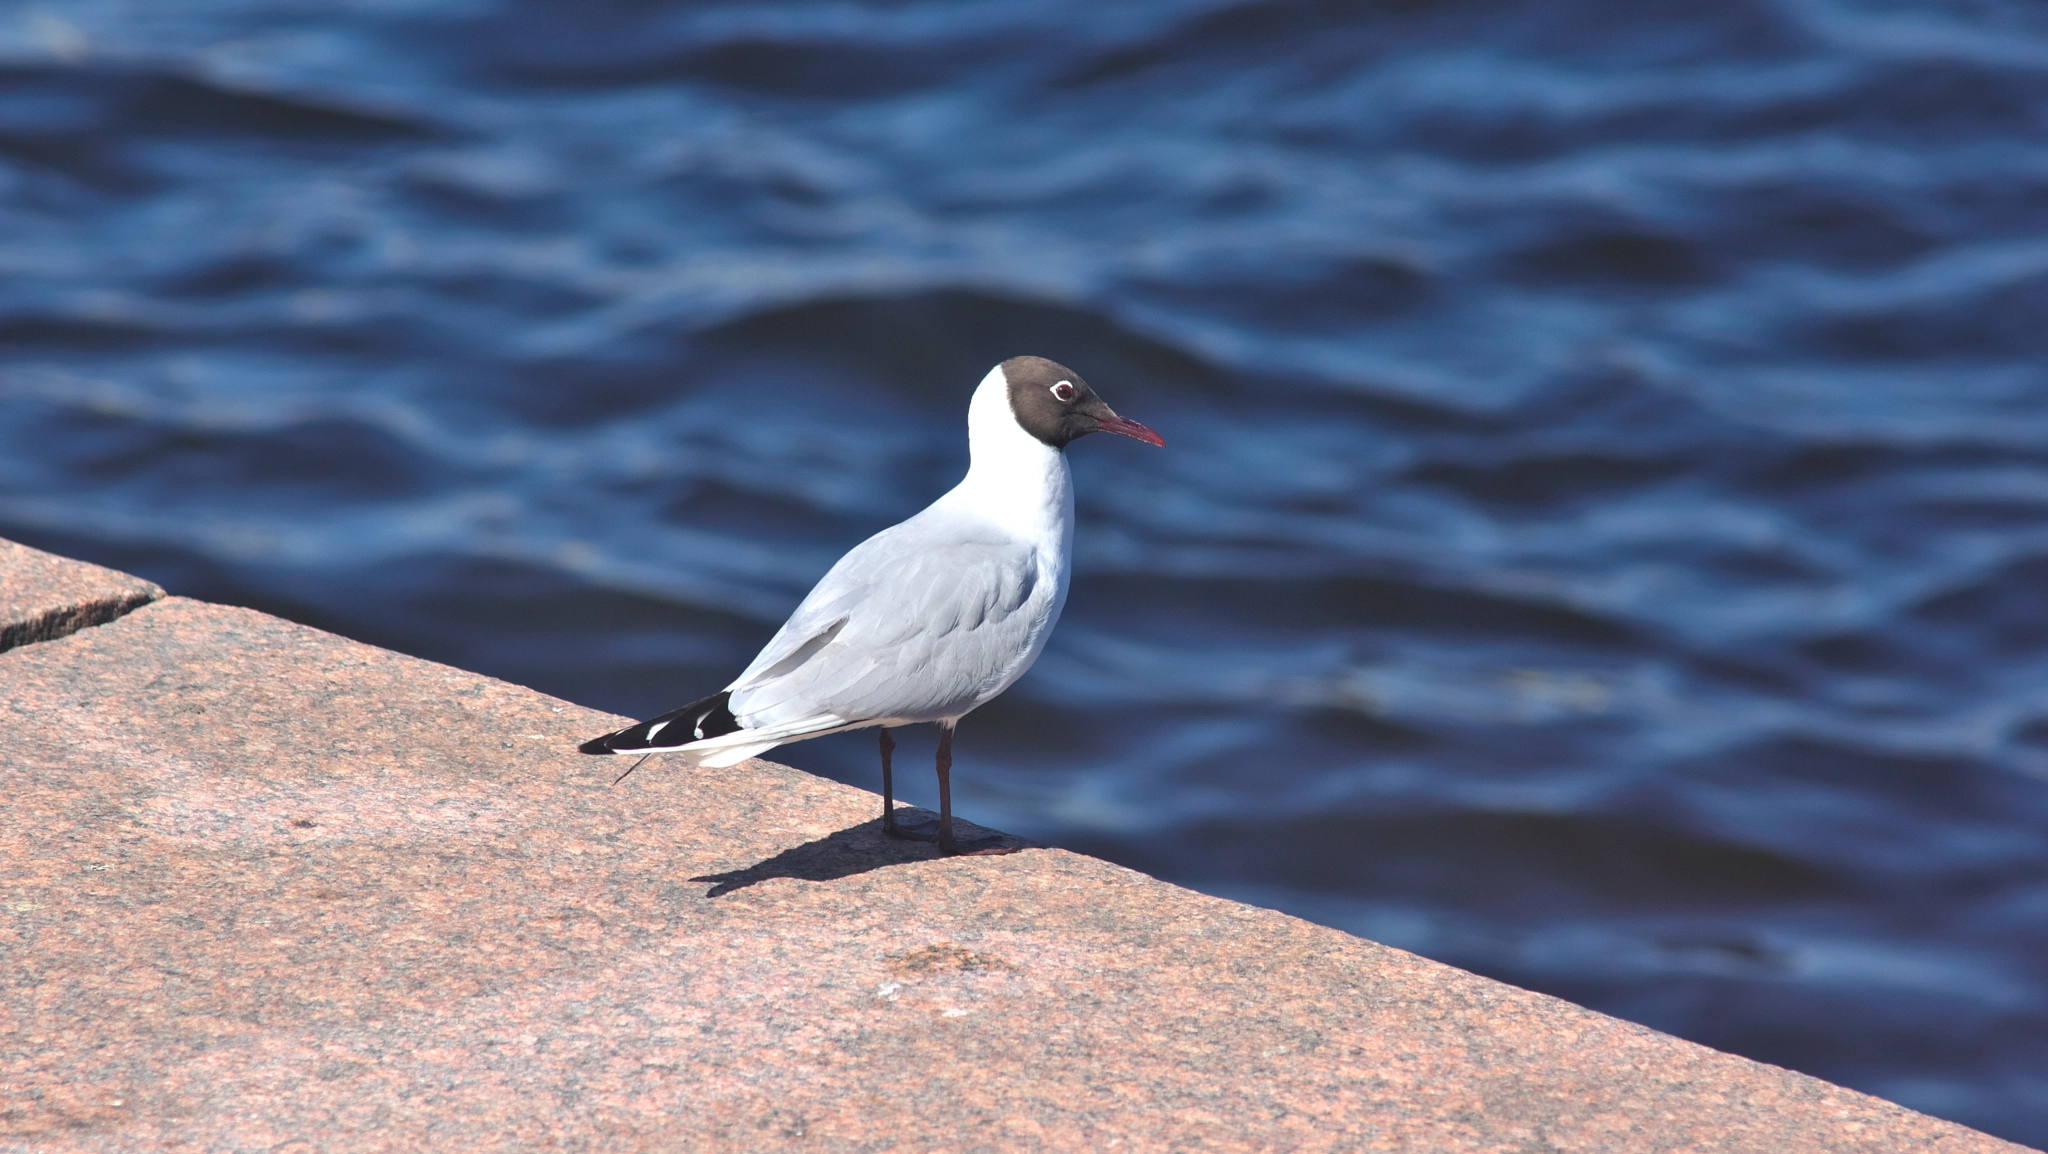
(1015, 480)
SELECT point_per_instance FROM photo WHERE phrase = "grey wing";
(918, 623)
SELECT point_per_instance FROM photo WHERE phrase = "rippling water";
(1604, 539)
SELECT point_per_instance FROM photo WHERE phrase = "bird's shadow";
(856, 850)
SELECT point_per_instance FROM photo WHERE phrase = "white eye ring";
(1063, 391)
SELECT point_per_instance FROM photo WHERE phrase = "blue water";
(1603, 541)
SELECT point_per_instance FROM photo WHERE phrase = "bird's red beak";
(1131, 429)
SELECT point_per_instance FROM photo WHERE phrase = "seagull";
(927, 620)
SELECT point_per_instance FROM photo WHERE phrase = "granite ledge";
(265, 888)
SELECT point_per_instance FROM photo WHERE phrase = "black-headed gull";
(926, 620)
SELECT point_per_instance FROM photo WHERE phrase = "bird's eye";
(1064, 391)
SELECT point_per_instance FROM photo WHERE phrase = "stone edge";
(95, 596)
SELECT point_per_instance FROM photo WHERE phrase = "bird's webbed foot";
(926, 830)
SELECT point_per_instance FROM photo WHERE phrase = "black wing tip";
(707, 717)
(713, 714)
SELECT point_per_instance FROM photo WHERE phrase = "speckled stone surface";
(267, 889)
(44, 597)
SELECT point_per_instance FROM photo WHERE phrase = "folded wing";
(921, 622)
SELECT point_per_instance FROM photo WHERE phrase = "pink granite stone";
(44, 597)
(262, 888)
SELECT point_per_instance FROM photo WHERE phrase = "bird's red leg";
(888, 786)
(946, 843)
(988, 846)
(890, 826)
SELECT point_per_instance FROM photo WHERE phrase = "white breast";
(1021, 486)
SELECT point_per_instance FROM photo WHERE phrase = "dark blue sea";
(1603, 538)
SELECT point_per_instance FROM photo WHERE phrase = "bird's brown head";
(1053, 403)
